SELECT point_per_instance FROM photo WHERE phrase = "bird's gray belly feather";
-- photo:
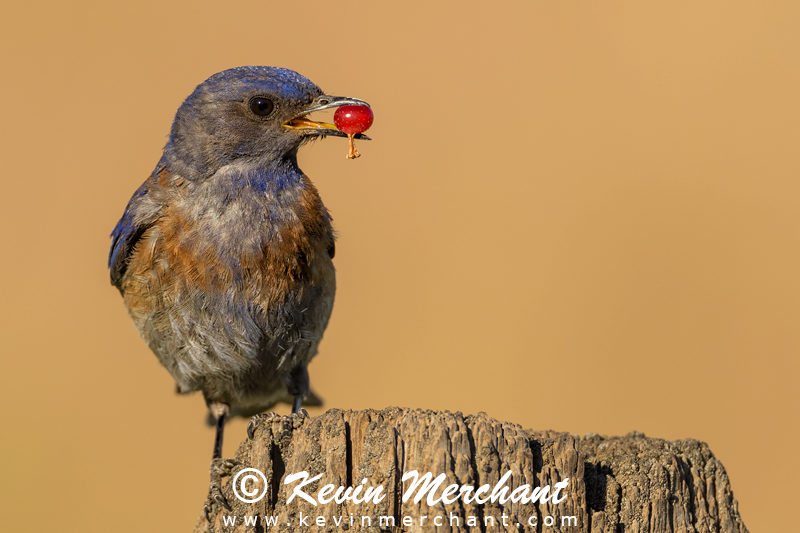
(245, 309)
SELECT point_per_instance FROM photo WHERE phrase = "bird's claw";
(295, 420)
(220, 499)
(214, 499)
(288, 421)
(263, 417)
(208, 511)
(218, 469)
(223, 467)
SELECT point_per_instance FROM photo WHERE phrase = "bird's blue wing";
(126, 234)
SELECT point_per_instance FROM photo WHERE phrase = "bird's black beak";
(300, 122)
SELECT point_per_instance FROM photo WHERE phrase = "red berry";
(353, 119)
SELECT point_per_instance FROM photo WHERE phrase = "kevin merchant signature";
(250, 486)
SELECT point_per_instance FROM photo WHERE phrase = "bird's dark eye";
(261, 106)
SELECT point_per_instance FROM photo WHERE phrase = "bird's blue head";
(247, 114)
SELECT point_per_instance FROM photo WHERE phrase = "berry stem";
(352, 153)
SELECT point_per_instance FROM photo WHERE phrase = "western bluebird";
(224, 255)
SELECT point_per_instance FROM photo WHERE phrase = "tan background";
(574, 215)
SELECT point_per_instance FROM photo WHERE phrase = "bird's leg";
(298, 386)
(219, 416)
(298, 400)
(219, 467)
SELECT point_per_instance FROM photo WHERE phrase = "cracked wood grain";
(630, 484)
